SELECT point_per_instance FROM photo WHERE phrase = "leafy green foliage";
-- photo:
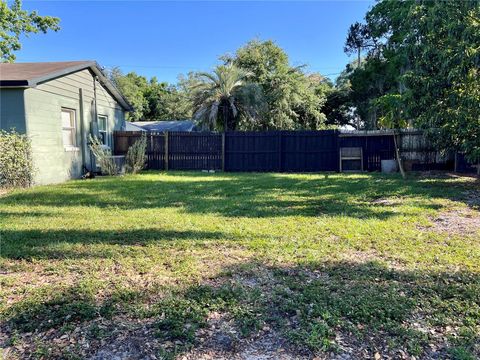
(136, 156)
(427, 53)
(443, 85)
(392, 116)
(62, 307)
(16, 164)
(390, 108)
(15, 22)
(182, 314)
(256, 89)
(150, 99)
(224, 99)
(294, 100)
(132, 87)
(181, 319)
(358, 39)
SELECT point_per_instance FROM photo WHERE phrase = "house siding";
(44, 103)
(12, 110)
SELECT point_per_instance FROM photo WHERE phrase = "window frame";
(72, 128)
(105, 131)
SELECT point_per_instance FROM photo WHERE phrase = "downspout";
(95, 109)
(82, 130)
(94, 123)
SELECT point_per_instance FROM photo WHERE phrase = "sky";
(165, 39)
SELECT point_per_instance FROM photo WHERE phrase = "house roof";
(170, 125)
(33, 74)
(129, 126)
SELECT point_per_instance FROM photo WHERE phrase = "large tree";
(440, 80)
(340, 109)
(225, 99)
(14, 22)
(358, 39)
(373, 79)
(427, 55)
(294, 100)
(152, 100)
(166, 102)
(133, 87)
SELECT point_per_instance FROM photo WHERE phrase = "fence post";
(166, 150)
(339, 150)
(279, 136)
(223, 151)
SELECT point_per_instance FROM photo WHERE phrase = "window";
(68, 128)
(103, 129)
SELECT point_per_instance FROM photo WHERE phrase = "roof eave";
(111, 88)
(13, 83)
(93, 65)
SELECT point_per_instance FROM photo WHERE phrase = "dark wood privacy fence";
(375, 148)
(155, 146)
(175, 150)
(282, 151)
(289, 151)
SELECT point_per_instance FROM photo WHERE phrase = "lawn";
(200, 265)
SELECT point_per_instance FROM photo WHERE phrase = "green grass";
(325, 261)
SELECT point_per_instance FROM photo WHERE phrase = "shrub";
(136, 158)
(16, 164)
(103, 155)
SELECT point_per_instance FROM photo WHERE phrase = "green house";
(57, 104)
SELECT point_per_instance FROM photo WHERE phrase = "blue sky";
(164, 39)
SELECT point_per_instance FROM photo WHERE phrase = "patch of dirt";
(387, 201)
(124, 338)
(116, 339)
(265, 346)
(472, 198)
(439, 174)
(363, 257)
(32, 279)
(464, 221)
(134, 340)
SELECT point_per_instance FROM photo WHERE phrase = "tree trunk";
(397, 153)
(225, 117)
(359, 54)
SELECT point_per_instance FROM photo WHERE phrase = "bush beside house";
(16, 165)
(136, 158)
(103, 155)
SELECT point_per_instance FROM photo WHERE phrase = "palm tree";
(224, 98)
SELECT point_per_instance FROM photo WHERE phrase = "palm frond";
(213, 112)
(226, 86)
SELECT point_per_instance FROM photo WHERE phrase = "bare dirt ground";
(460, 221)
(472, 198)
(465, 221)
